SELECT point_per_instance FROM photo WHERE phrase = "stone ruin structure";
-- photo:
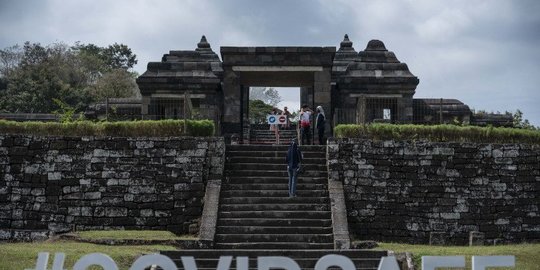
(353, 87)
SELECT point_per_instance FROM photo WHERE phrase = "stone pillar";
(322, 96)
(145, 105)
(306, 96)
(361, 110)
(231, 104)
(405, 109)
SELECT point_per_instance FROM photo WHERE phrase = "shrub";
(438, 133)
(161, 128)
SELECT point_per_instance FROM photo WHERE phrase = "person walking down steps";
(294, 161)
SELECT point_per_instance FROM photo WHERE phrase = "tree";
(43, 74)
(258, 110)
(267, 95)
(10, 58)
(115, 56)
(119, 56)
(33, 76)
(520, 122)
(117, 83)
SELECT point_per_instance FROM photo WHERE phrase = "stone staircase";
(255, 210)
(257, 218)
(306, 259)
(267, 137)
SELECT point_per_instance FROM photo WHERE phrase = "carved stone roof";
(377, 69)
(452, 107)
(344, 56)
(181, 70)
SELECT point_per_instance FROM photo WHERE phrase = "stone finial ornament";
(375, 45)
(203, 44)
(346, 43)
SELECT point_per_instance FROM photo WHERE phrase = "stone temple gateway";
(353, 87)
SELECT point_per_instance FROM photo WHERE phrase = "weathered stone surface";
(364, 244)
(427, 191)
(101, 183)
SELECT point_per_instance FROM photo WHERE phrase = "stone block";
(116, 212)
(438, 238)
(5, 234)
(54, 176)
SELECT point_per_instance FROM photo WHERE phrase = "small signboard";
(276, 119)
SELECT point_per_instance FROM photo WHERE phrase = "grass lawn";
(527, 255)
(15, 256)
(141, 235)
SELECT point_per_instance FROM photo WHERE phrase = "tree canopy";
(267, 95)
(33, 76)
(261, 102)
(258, 110)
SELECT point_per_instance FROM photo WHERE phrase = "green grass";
(160, 128)
(140, 235)
(527, 255)
(439, 133)
(15, 256)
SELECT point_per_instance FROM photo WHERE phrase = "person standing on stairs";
(305, 124)
(275, 127)
(294, 161)
(287, 115)
(319, 124)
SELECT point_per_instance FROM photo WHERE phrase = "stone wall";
(411, 191)
(59, 184)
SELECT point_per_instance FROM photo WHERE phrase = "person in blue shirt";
(294, 161)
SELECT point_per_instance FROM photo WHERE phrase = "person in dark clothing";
(294, 161)
(319, 124)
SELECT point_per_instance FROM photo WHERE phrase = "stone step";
(304, 263)
(274, 245)
(275, 207)
(275, 214)
(273, 160)
(283, 148)
(288, 135)
(269, 142)
(272, 167)
(272, 230)
(280, 237)
(293, 253)
(282, 136)
(279, 200)
(273, 173)
(284, 185)
(279, 222)
(272, 193)
(274, 180)
(282, 132)
(277, 154)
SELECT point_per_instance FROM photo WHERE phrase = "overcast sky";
(484, 52)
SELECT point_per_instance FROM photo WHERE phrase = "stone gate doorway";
(306, 67)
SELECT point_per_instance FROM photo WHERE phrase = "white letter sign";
(481, 262)
(433, 262)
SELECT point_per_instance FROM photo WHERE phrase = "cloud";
(443, 27)
(483, 52)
